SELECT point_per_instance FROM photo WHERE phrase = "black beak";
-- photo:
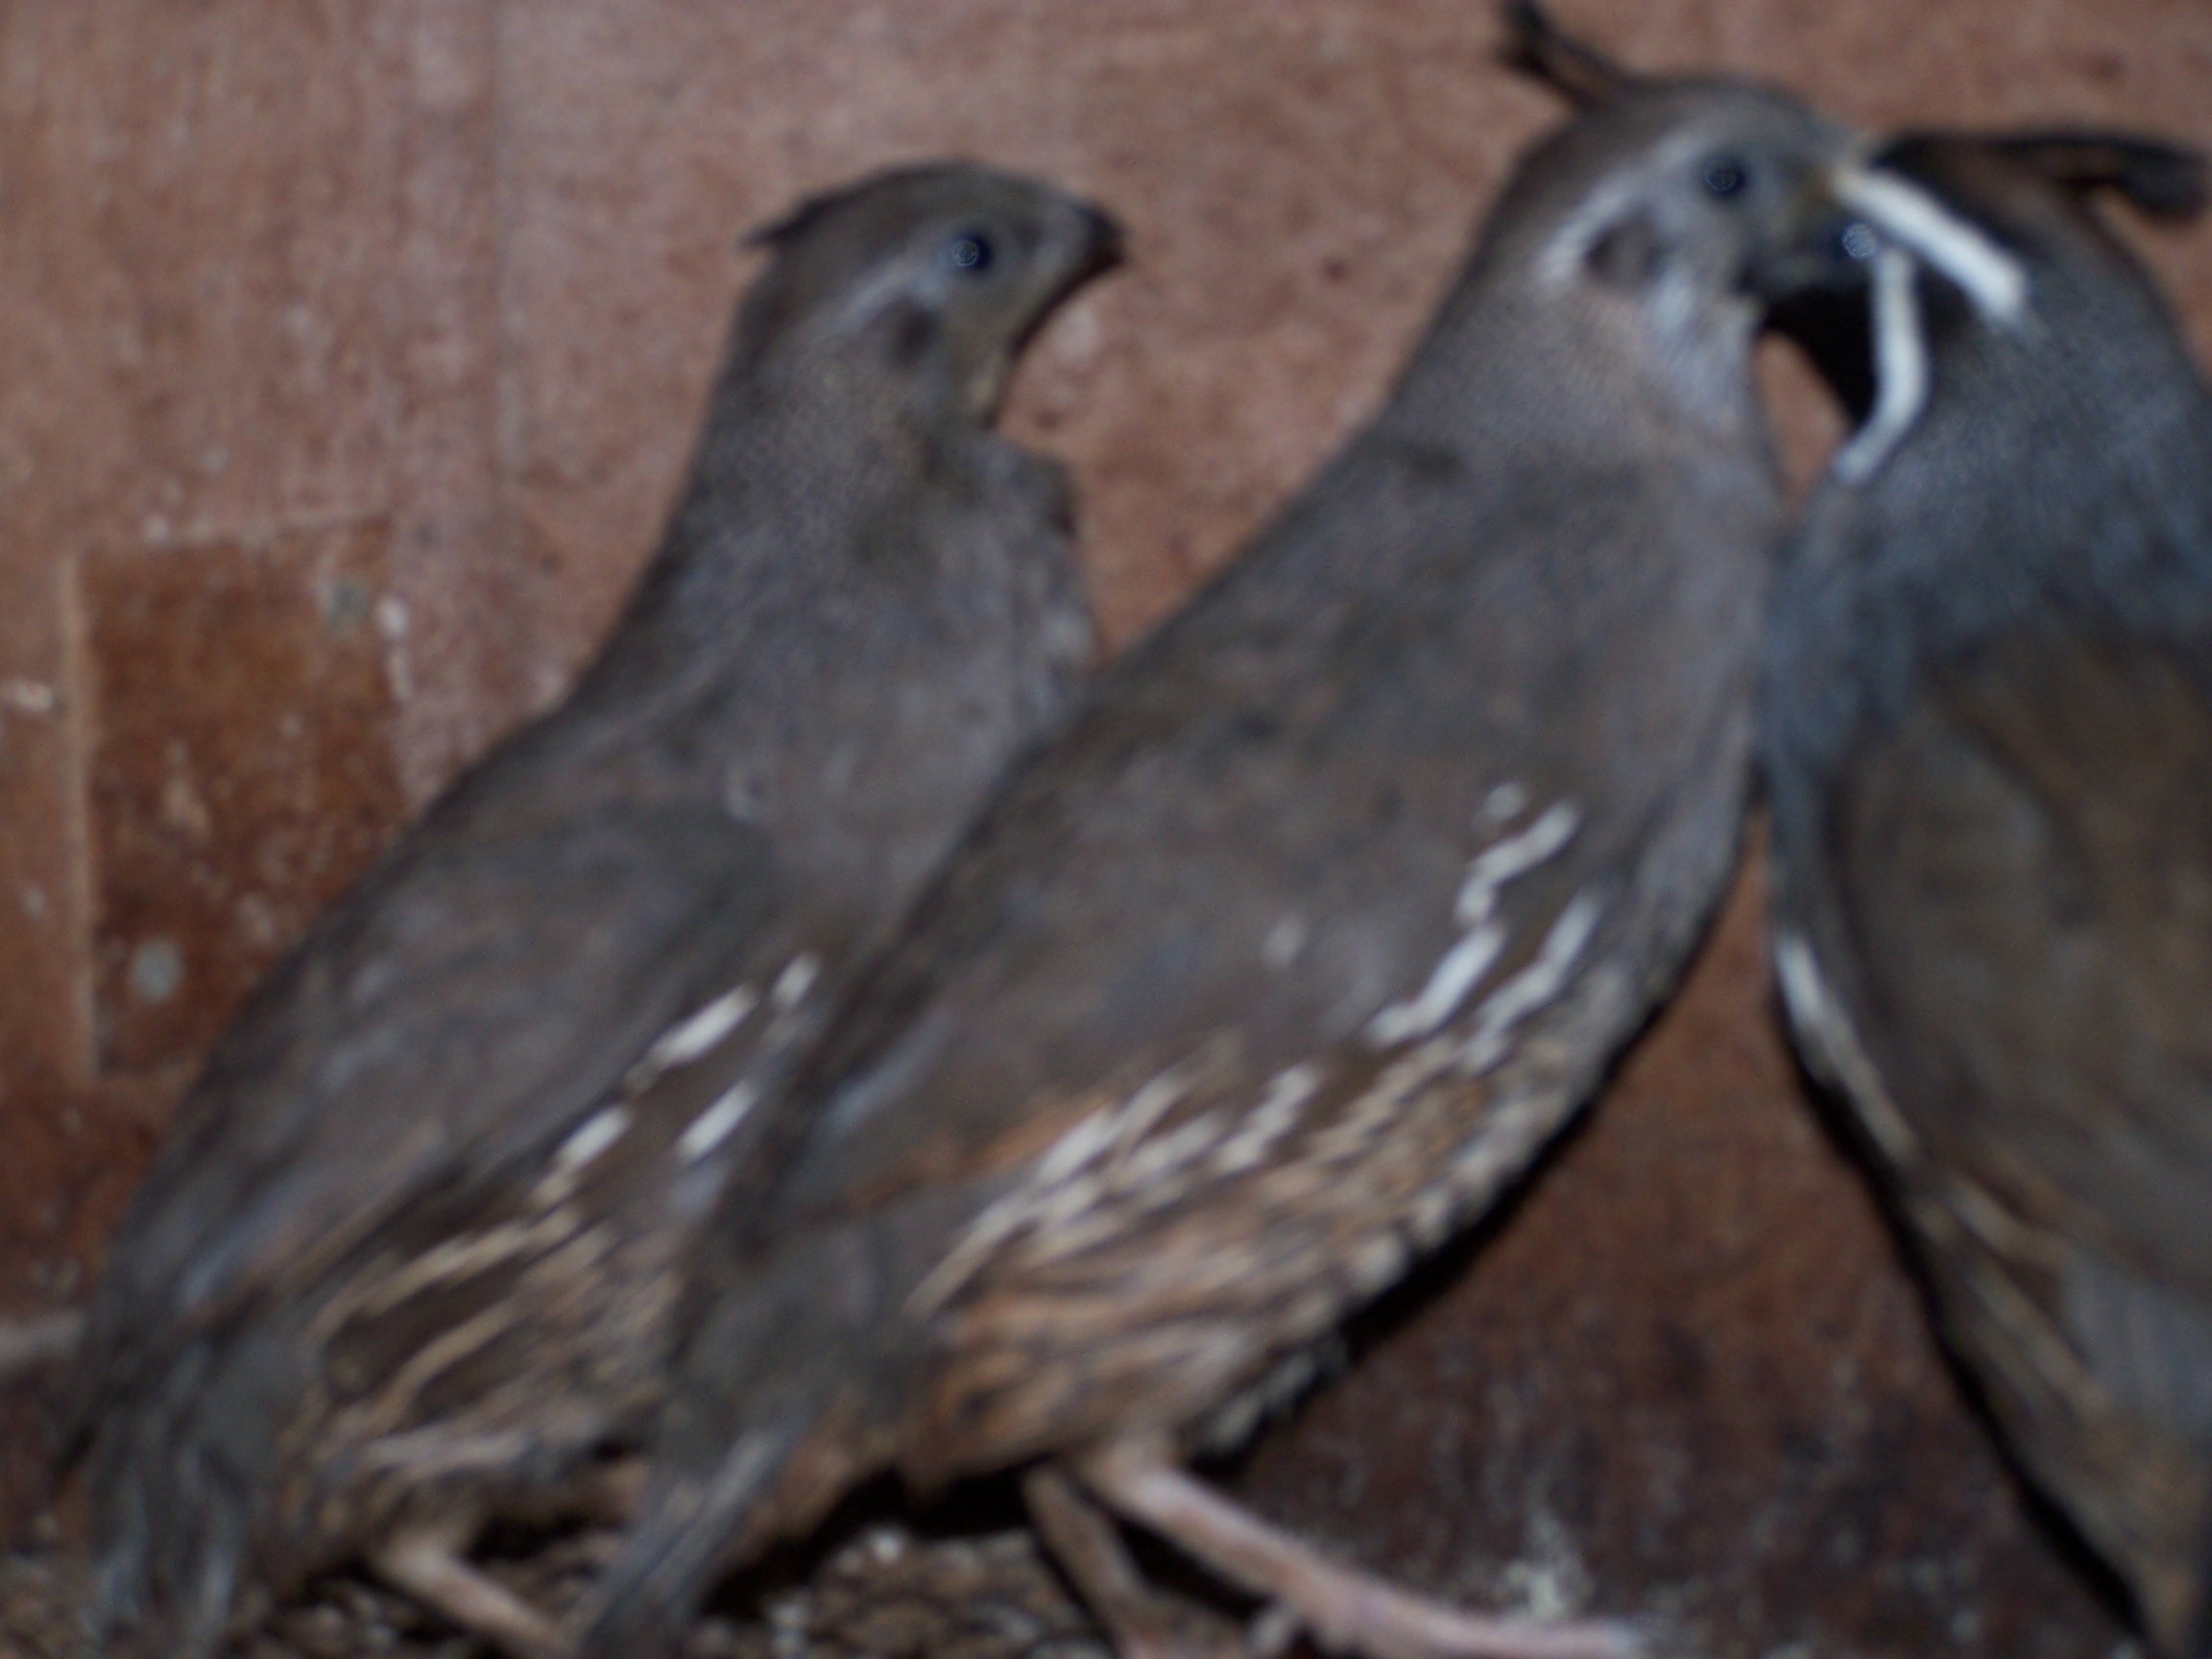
(1815, 281)
(1106, 243)
(1832, 253)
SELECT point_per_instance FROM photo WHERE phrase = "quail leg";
(1143, 1624)
(1344, 1609)
(605, 1498)
(426, 1562)
(612, 1492)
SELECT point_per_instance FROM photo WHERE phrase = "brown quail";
(406, 1260)
(1988, 742)
(1330, 909)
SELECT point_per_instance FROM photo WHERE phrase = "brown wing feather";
(2028, 863)
(459, 980)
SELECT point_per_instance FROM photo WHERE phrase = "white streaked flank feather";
(715, 1125)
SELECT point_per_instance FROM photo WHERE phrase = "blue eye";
(969, 252)
(1724, 176)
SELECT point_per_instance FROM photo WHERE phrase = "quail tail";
(688, 1528)
(174, 1501)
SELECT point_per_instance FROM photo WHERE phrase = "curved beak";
(1107, 242)
(1095, 243)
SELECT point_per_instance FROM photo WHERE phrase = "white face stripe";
(1560, 263)
(1560, 260)
(1993, 279)
(1899, 368)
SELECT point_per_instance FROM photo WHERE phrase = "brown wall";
(349, 351)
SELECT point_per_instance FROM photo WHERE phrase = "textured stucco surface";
(349, 351)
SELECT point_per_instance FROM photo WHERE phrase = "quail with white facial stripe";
(407, 1259)
(1285, 960)
(1988, 743)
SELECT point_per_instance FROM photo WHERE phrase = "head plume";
(1536, 45)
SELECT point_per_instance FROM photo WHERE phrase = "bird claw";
(1344, 1609)
(428, 1565)
(1272, 1632)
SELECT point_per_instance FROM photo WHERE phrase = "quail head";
(1331, 906)
(407, 1259)
(1988, 742)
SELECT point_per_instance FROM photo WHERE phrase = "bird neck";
(1515, 348)
(793, 509)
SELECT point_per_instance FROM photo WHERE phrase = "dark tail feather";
(689, 1529)
(178, 1479)
(184, 1615)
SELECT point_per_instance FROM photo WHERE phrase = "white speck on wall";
(29, 697)
(391, 622)
(156, 971)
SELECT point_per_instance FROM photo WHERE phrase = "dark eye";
(969, 252)
(1724, 176)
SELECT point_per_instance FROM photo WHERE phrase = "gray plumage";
(366, 1289)
(1989, 741)
(1287, 958)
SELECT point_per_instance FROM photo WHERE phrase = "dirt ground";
(887, 1593)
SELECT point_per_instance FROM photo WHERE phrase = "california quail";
(407, 1257)
(1988, 742)
(1331, 905)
